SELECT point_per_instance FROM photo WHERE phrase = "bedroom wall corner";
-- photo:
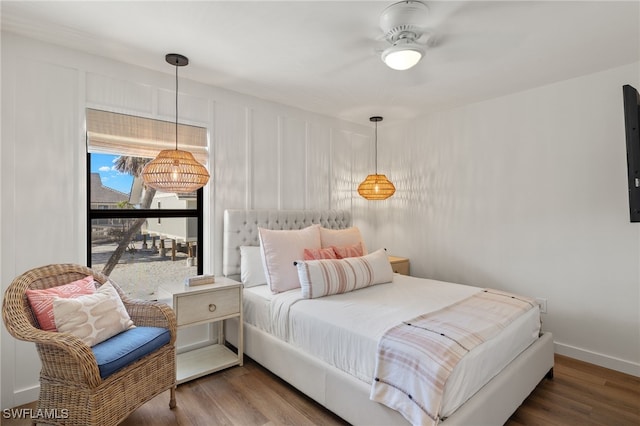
(271, 156)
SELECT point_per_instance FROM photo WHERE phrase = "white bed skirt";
(348, 397)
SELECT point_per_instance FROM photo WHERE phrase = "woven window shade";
(113, 133)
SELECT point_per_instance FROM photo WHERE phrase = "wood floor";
(579, 394)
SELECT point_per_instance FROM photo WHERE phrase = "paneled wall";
(262, 155)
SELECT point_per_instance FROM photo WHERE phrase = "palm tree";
(132, 166)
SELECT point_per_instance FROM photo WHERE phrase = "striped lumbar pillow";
(324, 277)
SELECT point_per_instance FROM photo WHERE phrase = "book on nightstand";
(199, 280)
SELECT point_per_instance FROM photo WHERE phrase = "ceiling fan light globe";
(401, 57)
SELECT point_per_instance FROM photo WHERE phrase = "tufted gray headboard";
(241, 229)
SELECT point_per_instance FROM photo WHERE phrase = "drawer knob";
(212, 307)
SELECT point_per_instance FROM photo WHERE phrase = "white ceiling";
(323, 56)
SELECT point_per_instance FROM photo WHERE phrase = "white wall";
(528, 193)
(262, 155)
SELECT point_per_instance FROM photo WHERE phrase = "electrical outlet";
(543, 304)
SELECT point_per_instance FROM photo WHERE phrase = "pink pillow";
(280, 248)
(321, 253)
(41, 301)
(341, 238)
(348, 251)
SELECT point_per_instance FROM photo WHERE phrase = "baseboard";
(607, 361)
(25, 396)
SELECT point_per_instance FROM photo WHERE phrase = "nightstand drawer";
(206, 306)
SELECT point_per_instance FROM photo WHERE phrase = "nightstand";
(399, 265)
(205, 304)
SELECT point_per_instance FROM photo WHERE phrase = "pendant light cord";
(375, 119)
(376, 150)
(176, 107)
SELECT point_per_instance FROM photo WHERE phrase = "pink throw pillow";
(41, 301)
(341, 238)
(321, 253)
(348, 251)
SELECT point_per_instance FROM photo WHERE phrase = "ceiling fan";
(403, 25)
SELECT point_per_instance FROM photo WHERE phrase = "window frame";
(198, 213)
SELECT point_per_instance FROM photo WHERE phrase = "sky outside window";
(104, 165)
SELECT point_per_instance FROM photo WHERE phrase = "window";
(140, 246)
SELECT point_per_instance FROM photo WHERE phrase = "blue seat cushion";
(127, 347)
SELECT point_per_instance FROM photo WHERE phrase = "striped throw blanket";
(416, 357)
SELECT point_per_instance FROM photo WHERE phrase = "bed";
(340, 378)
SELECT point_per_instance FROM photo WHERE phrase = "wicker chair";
(70, 378)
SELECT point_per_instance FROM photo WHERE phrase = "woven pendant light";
(376, 187)
(174, 170)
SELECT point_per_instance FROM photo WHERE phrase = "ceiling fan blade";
(451, 39)
(475, 46)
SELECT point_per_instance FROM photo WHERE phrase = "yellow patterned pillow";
(93, 317)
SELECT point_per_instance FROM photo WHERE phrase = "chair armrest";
(152, 314)
(64, 356)
(147, 313)
(53, 347)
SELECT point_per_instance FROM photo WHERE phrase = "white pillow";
(324, 277)
(341, 238)
(251, 267)
(92, 317)
(280, 248)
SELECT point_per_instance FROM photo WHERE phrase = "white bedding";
(343, 330)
